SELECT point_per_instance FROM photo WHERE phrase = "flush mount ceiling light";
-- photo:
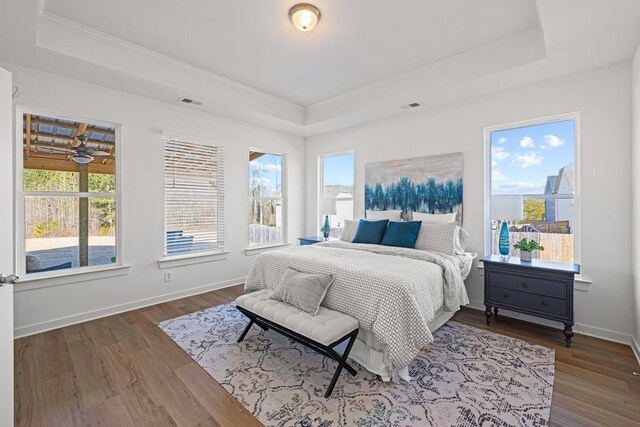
(304, 16)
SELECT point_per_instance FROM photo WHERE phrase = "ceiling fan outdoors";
(83, 155)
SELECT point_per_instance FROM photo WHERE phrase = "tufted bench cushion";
(326, 327)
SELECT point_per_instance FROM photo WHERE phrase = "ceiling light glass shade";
(82, 159)
(304, 16)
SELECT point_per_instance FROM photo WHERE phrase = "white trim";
(75, 275)
(61, 322)
(575, 116)
(255, 250)
(578, 328)
(190, 259)
(284, 197)
(320, 193)
(636, 348)
(20, 194)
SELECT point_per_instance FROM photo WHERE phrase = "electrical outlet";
(168, 276)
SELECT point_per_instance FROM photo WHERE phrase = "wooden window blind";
(193, 198)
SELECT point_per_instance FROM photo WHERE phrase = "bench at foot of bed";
(321, 333)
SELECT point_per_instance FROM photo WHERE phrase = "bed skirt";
(372, 354)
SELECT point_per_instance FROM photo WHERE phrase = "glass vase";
(504, 244)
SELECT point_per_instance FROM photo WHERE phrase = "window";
(193, 198)
(336, 193)
(267, 198)
(533, 185)
(69, 195)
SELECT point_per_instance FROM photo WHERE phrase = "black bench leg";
(244, 333)
(342, 363)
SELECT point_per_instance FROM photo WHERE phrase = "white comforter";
(393, 292)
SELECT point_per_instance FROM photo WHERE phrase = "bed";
(399, 296)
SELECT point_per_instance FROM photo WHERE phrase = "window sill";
(255, 250)
(46, 280)
(580, 283)
(190, 259)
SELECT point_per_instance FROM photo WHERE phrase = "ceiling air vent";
(410, 106)
(189, 101)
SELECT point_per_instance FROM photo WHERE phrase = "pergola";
(48, 144)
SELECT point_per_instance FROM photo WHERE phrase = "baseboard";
(37, 328)
(578, 328)
(636, 349)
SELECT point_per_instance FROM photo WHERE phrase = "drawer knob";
(525, 285)
(506, 294)
(545, 302)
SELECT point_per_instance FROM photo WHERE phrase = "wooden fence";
(557, 247)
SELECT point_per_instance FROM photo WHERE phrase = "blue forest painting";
(430, 184)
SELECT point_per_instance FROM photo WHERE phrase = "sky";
(338, 170)
(266, 171)
(522, 158)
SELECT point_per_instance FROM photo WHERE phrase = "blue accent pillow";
(370, 232)
(402, 234)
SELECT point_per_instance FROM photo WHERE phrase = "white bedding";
(395, 293)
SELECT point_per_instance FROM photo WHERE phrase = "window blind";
(193, 198)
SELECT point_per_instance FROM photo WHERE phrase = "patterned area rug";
(467, 377)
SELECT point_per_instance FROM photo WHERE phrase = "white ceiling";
(366, 58)
(356, 43)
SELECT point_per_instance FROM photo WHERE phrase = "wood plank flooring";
(124, 371)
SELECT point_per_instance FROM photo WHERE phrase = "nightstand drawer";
(529, 285)
(542, 304)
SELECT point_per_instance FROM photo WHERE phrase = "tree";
(534, 209)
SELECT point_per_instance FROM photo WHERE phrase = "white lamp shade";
(327, 206)
(506, 207)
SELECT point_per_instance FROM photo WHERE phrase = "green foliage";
(534, 210)
(528, 245)
(44, 230)
(39, 211)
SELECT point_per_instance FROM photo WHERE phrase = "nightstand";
(539, 288)
(310, 240)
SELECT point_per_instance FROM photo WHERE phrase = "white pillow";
(391, 215)
(439, 218)
(462, 239)
(349, 230)
(438, 237)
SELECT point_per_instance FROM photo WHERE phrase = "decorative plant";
(528, 245)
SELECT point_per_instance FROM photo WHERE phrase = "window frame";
(320, 195)
(283, 197)
(20, 231)
(202, 256)
(575, 116)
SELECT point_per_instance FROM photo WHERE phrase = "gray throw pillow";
(349, 231)
(303, 290)
(437, 237)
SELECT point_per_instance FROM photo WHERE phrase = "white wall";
(603, 99)
(142, 121)
(635, 150)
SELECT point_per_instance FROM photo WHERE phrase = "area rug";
(467, 377)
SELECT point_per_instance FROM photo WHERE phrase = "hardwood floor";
(124, 371)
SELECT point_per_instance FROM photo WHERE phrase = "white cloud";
(270, 167)
(499, 153)
(526, 159)
(496, 175)
(527, 142)
(519, 187)
(553, 141)
(502, 140)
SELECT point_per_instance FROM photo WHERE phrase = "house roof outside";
(563, 183)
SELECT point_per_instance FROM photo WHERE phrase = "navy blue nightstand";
(539, 288)
(310, 240)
